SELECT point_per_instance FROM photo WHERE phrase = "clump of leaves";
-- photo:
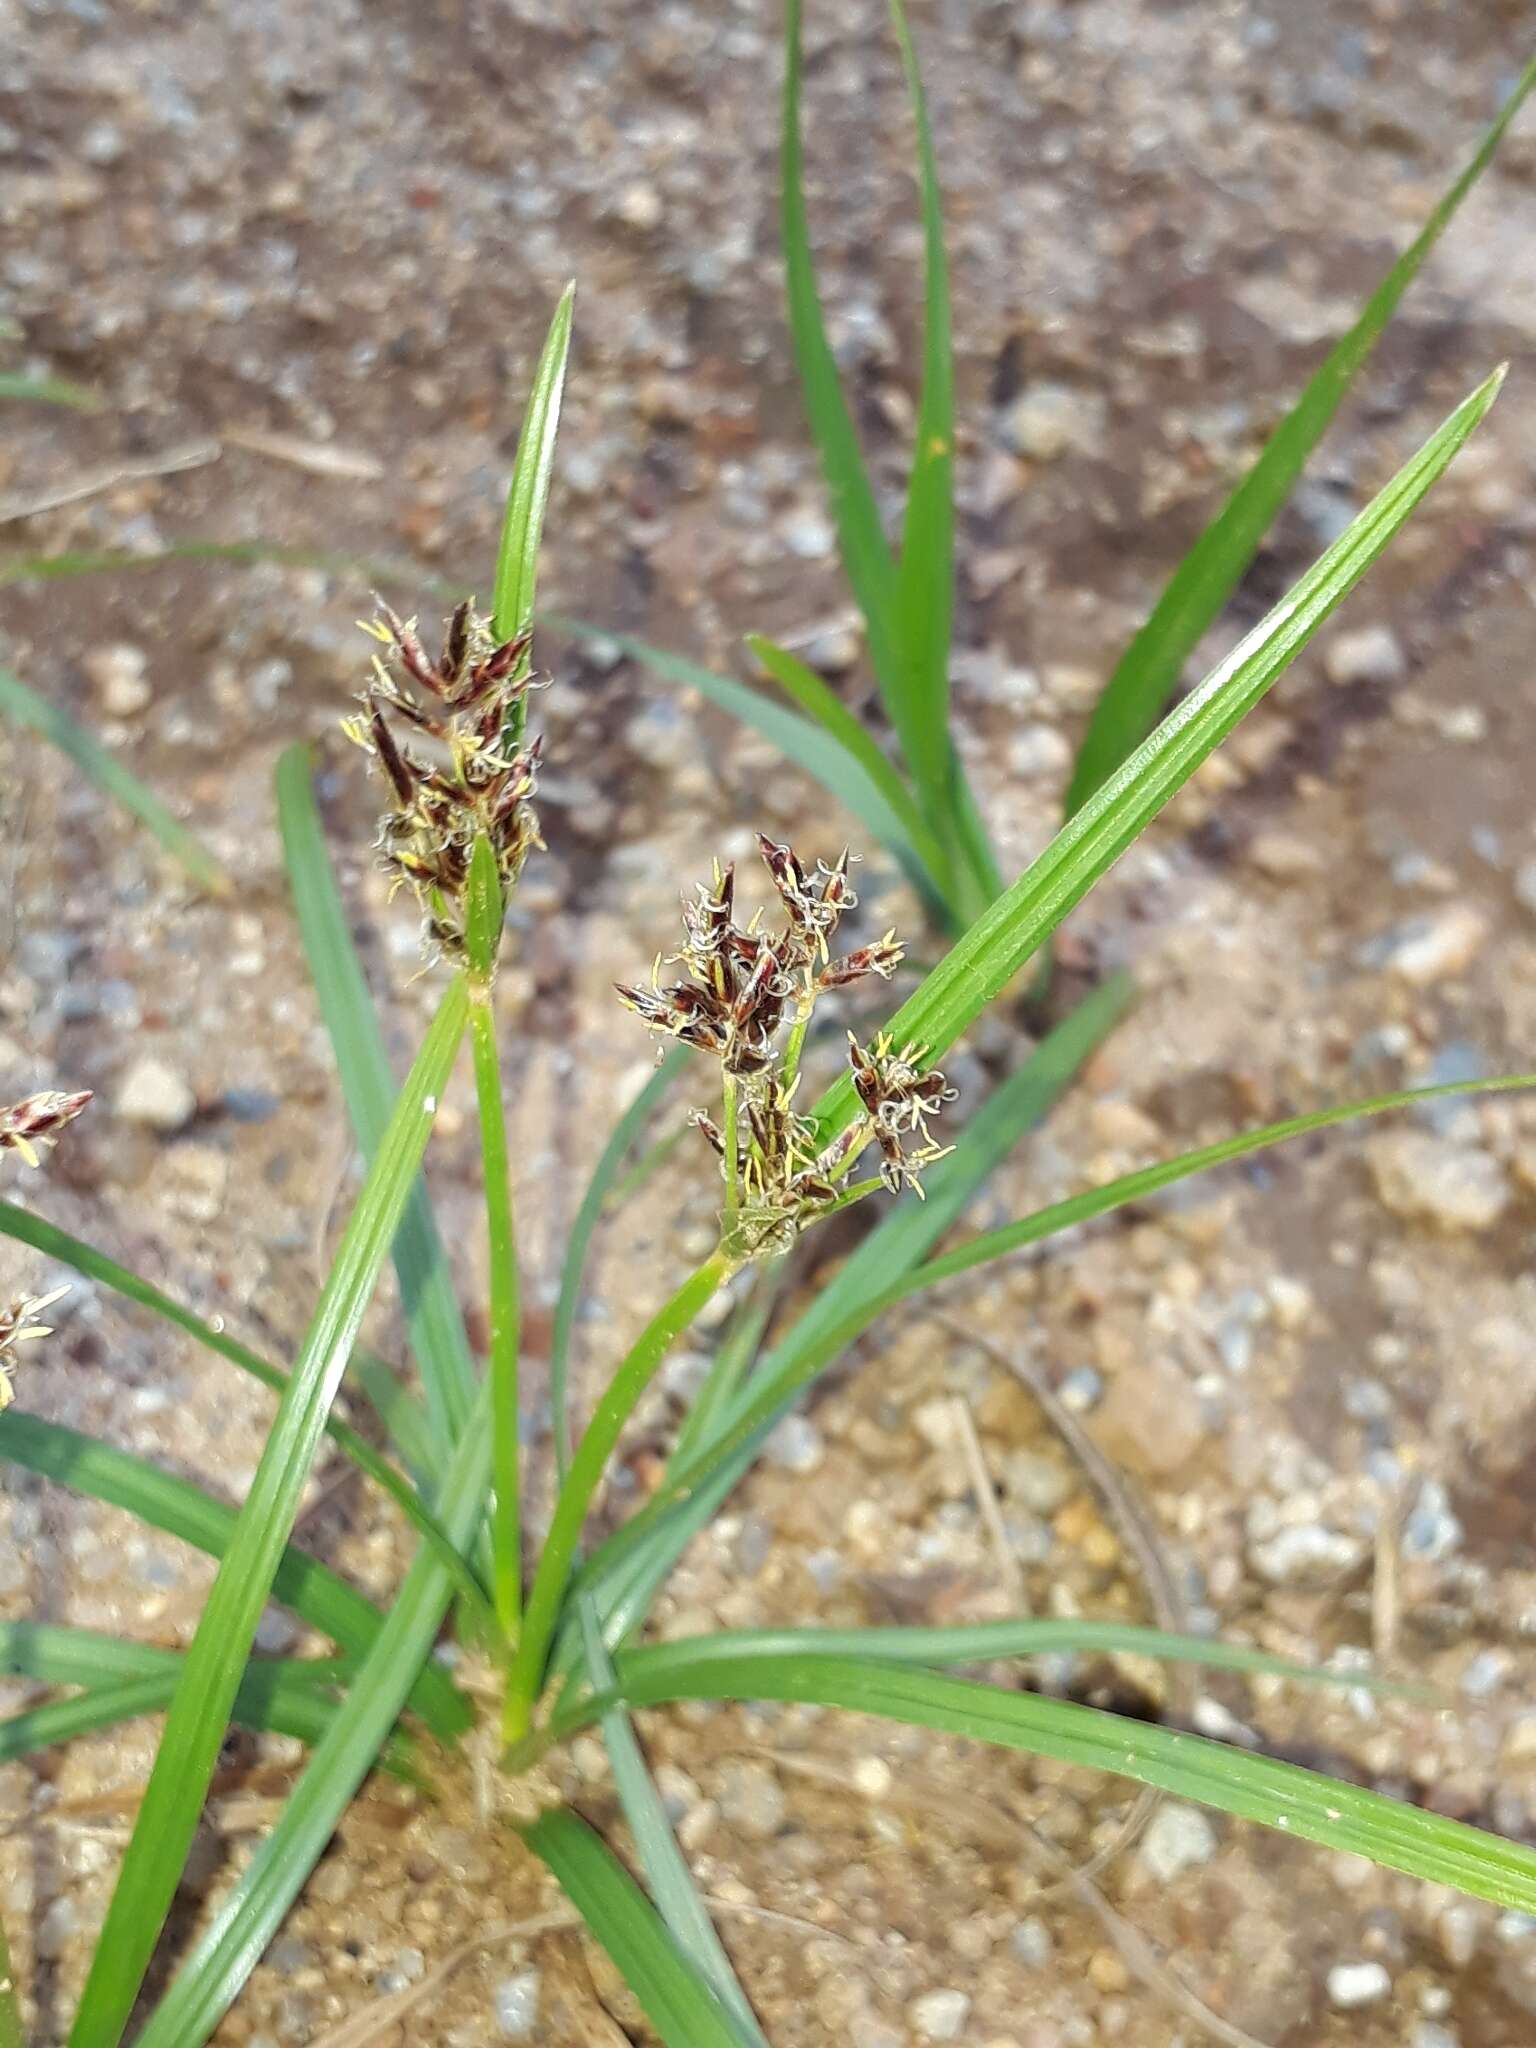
(559, 1632)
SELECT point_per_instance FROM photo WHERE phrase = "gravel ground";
(320, 246)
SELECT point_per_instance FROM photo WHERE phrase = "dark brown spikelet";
(38, 1120)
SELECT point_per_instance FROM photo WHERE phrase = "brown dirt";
(347, 226)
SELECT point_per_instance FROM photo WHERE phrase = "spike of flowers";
(18, 1326)
(24, 1126)
(475, 783)
(746, 996)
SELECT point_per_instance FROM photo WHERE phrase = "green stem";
(732, 1147)
(793, 1049)
(506, 1524)
(11, 2034)
(613, 1411)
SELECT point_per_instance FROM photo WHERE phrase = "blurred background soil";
(306, 255)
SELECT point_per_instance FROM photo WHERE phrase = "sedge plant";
(899, 771)
(557, 1613)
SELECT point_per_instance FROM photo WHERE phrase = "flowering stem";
(11, 2034)
(792, 1050)
(506, 1528)
(617, 1404)
(732, 1146)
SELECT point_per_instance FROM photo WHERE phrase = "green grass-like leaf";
(517, 563)
(252, 1913)
(626, 1571)
(1281, 1796)
(312, 1590)
(54, 1243)
(49, 391)
(976, 970)
(599, 1189)
(25, 707)
(800, 740)
(981, 1642)
(666, 1870)
(925, 591)
(199, 1712)
(1148, 672)
(432, 1313)
(672, 1993)
(867, 556)
(822, 703)
(819, 1339)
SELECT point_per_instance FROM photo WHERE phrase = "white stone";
(517, 2005)
(752, 1799)
(117, 673)
(1047, 420)
(155, 1094)
(1356, 1984)
(1310, 1555)
(1445, 942)
(1460, 1187)
(640, 207)
(796, 1444)
(1178, 1839)
(940, 2015)
(1038, 750)
(1367, 654)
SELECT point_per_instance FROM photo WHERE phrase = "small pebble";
(1178, 1839)
(1368, 654)
(752, 1799)
(940, 2015)
(1460, 1187)
(516, 2001)
(1525, 886)
(796, 1445)
(1428, 949)
(639, 206)
(118, 676)
(1031, 1942)
(154, 1094)
(1430, 2034)
(1356, 1984)
(1082, 1389)
(1049, 420)
(1038, 750)
(1308, 1556)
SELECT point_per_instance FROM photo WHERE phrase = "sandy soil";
(345, 227)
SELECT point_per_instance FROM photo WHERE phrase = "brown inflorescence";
(482, 777)
(745, 996)
(38, 1120)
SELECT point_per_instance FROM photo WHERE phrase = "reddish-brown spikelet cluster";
(480, 781)
(37, 1121)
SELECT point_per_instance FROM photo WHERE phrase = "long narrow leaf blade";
(432, 1312)
(605, 1174)
(517, 563)
(1148, 672)
(54, 1243)
(823, 704)
(1282, 1796)
(199, 1712)
(626, 1572)
(798, 739)
(866, 553)
(252, 1913)
(26, 707)
(665, 1867)
(163, 1501)
(670, 1990)
(925, 594)
(982, 963)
